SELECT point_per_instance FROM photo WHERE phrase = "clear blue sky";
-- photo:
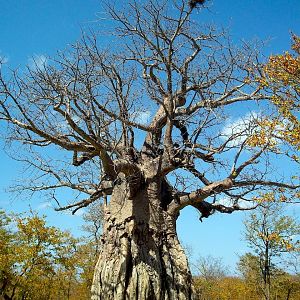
(41, 27)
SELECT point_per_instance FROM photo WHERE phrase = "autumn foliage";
(237, 288)
(283, 78)
(41, 262)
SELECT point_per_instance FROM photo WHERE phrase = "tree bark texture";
(141, 257)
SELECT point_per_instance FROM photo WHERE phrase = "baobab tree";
(143, 125)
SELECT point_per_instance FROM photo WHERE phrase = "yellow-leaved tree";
(37, 261)
(282, 75)
(271, 234)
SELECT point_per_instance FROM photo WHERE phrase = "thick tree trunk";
(140, 257)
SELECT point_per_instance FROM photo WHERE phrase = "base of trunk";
(141, 265)
(141, 257)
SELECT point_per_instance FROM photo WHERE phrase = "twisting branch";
(103, 190)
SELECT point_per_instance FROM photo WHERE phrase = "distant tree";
(36, 260)
(249, 268)
(284, 285)
(210, 271)
(210, 268)
(213, 282)
(88, 250)
(270, 233)
(93, 224)
(144, 125)
(5, 265)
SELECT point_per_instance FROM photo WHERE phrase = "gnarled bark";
(141, 257)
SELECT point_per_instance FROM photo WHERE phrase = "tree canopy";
(169, 91)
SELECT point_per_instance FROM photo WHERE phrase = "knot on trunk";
(206, 209)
